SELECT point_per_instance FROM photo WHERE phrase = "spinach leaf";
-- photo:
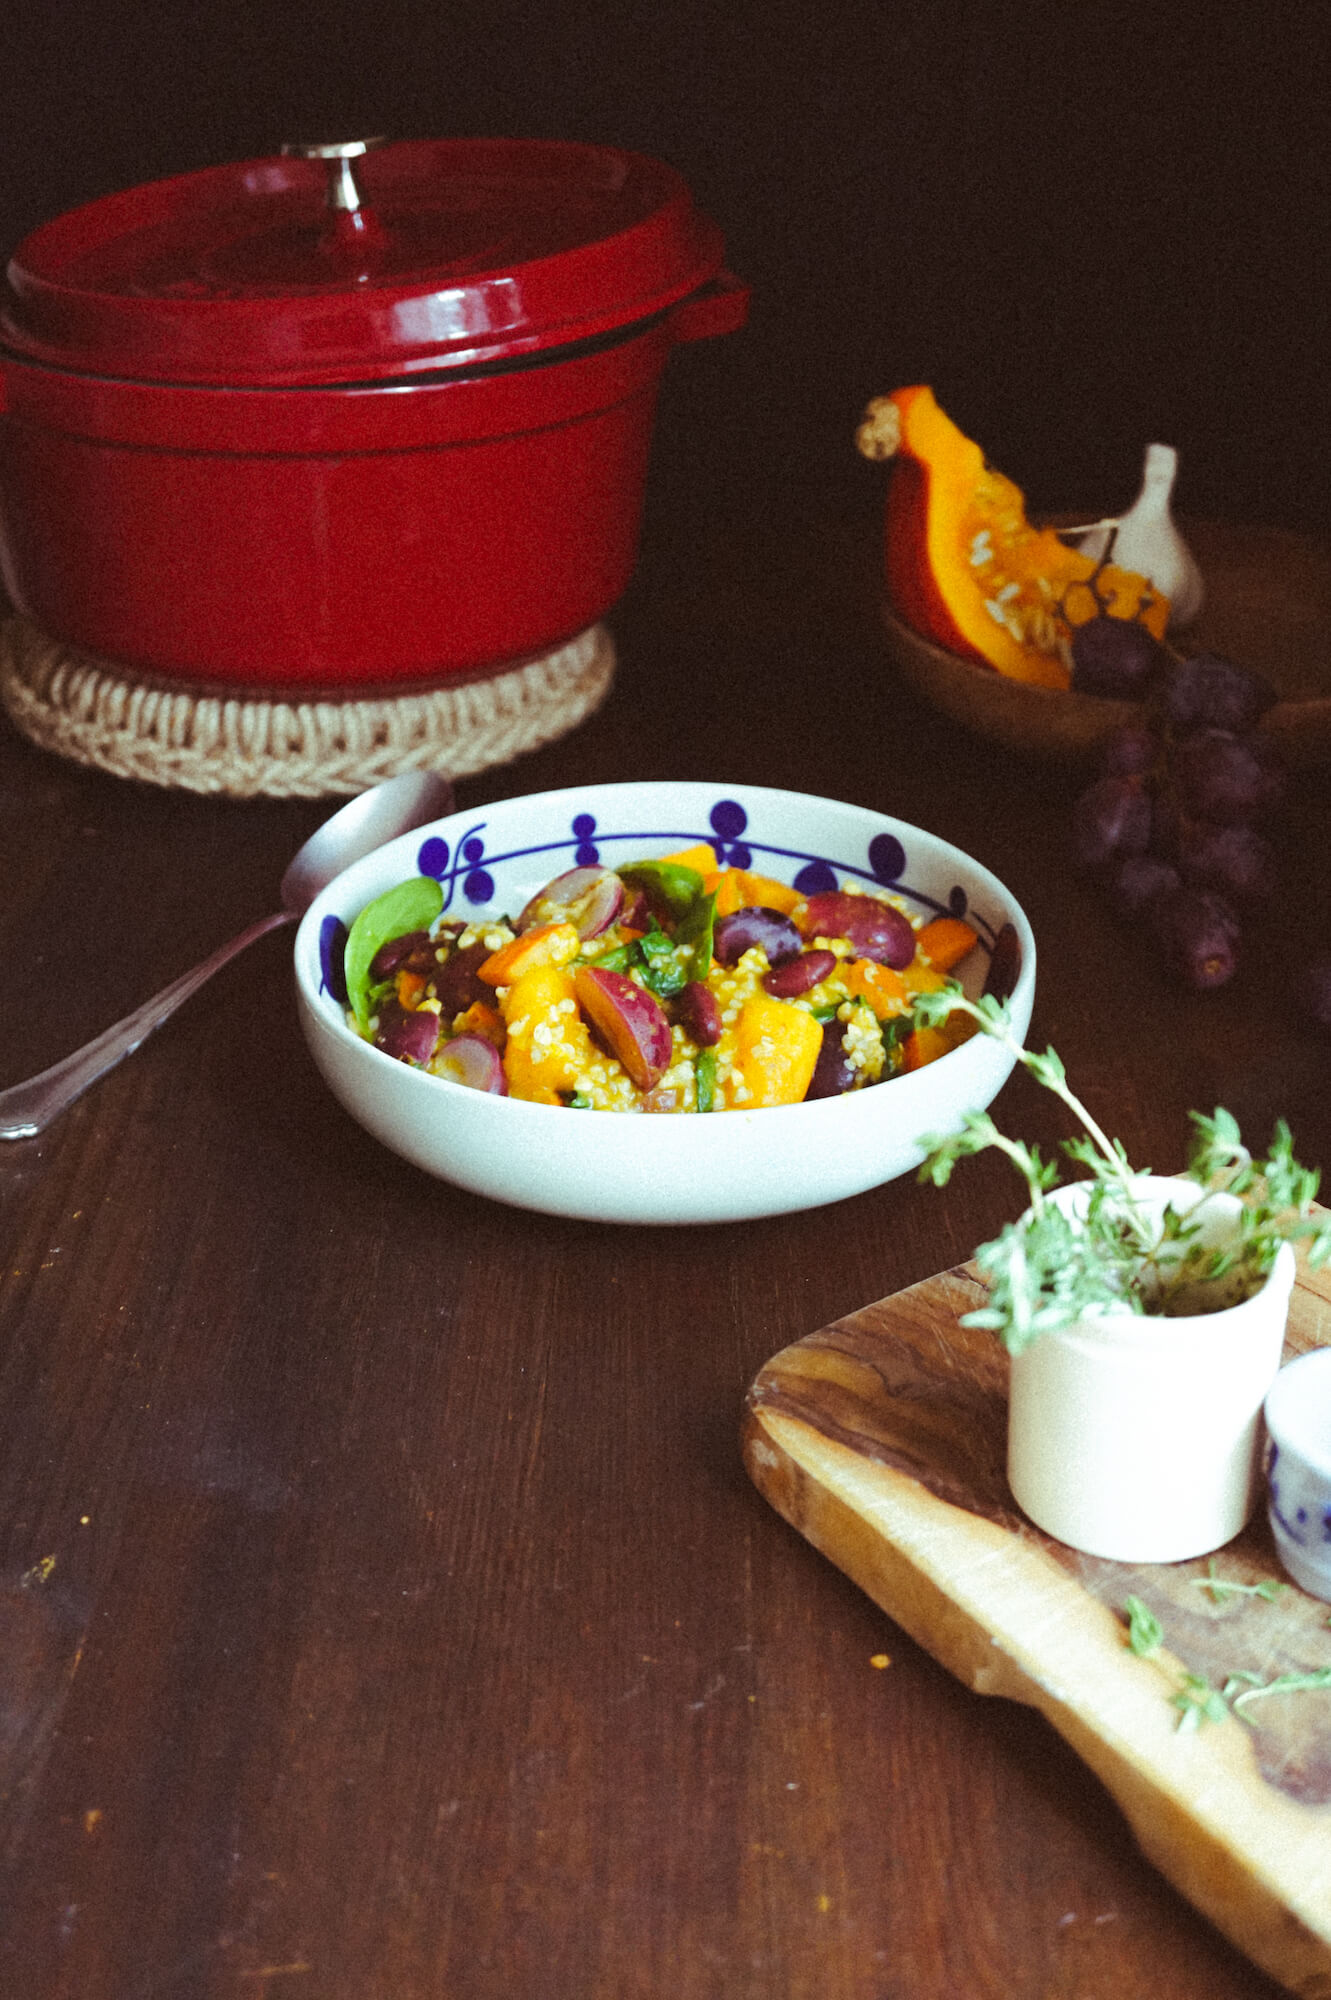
(668, 885)
(695, 929)
(411, 906)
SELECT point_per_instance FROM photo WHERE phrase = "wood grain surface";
(385, 1610)
(882, 1439)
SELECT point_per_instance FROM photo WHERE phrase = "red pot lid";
(461, 252)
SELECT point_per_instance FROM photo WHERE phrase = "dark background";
(1087, 227)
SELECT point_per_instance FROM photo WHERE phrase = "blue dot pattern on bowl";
(467, 872)
(1297, 1526)
(332, 953)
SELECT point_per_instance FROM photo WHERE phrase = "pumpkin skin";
(965, 567)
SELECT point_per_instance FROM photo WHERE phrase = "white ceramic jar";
(1135, 1437)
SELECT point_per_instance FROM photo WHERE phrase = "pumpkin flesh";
(966, 568)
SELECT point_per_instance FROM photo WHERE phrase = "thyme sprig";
(1193, 1696)
(1049, 1268)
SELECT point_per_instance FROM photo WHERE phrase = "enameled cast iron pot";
(265, 424)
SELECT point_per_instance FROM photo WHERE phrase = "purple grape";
(1207, 692)
(1135, 882)
(588, 898)
(1111, 818)
(1237, 860)
(1115, 657)
(742, 929)
(474, 1062)
(1168, 826)
(1129, 752)
(1315, 989)
(1219, 776)
(799, 975)
(832, 1075)
(406, 1036)
(876, 930)
(1199, 933)
(699, 1014)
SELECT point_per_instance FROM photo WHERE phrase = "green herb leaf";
(1221, 1589)
(411, 906)
(1257, 1690)
(1198, 1702)
(704, 1073)
(1046, 1271)
(695, 930)
(668, 885)
(1145, 1632)
(662, 972)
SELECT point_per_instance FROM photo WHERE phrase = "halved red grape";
(876, 930)
(742, 929)
(588, 898)
(629, 1021)
(474, 1062)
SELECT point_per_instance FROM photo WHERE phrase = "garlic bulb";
(1146, 540)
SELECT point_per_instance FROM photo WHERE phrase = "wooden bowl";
(1268, 606)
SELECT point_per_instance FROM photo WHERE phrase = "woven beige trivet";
(205, 739)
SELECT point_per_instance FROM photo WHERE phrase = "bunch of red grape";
(1173, 826)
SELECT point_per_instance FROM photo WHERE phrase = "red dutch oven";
(293, 422)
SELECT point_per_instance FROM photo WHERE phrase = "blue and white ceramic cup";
(1298, 1417)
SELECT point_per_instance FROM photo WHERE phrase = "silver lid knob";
(342, 192)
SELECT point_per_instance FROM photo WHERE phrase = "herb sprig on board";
(1193, 1696)
(1049, 1268)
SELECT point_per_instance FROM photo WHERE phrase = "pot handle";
(720, 306)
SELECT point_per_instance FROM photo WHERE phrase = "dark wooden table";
(384, 1610)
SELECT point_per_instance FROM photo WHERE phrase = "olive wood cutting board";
(882, 1439)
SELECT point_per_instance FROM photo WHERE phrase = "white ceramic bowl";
(619, 1167)
(1298, 1418)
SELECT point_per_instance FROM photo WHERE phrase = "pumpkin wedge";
(966, 568)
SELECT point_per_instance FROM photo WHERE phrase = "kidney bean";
(698, 1013)
(406, 1036)
(455, 984)
(799, 975)
(412, 952)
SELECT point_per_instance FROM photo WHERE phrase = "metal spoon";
(361, 825)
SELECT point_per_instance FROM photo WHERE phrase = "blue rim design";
(466, 870)
(884, 864)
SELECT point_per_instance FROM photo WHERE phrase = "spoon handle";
(28, 1108)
